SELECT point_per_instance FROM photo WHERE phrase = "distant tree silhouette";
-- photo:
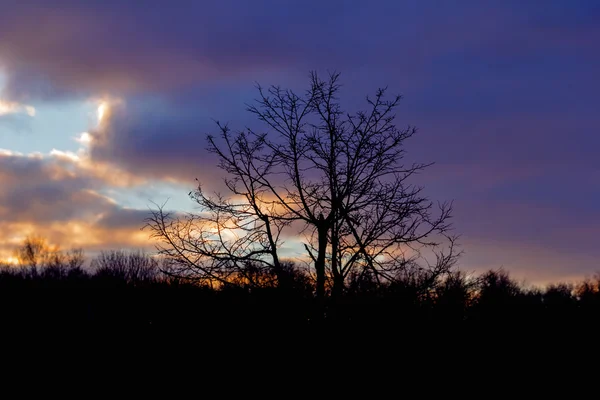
(454, 295)
(497, 290)
(559, 295)
(38, 255)
(34, 252)
(339, 178)
(133, 267)
(587, 293)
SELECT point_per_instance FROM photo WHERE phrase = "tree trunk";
(320, 264)
(338, 277)
(281, 276)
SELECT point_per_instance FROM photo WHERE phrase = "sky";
(105, 107)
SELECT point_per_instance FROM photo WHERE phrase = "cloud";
(8, 107)
(87, 235)
(156, 139)
(38, 187)
(123, 48)
(16, 116)
(60, 198)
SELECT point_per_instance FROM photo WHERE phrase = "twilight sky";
(105, 106)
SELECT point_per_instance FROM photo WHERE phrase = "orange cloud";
(88, 235)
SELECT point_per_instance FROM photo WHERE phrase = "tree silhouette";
(336, 178)
(35, 252)
(134, 267)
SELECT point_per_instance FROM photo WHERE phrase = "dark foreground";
(166, 315)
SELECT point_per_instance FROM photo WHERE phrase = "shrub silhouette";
(132, 268)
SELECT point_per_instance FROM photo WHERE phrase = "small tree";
(336, 178)
(36, 252)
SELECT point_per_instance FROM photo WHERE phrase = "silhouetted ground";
(111, 319)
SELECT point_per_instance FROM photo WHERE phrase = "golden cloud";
(88, 235)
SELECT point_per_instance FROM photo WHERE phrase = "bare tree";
(132, 267)
(336, 178)
(35, 252)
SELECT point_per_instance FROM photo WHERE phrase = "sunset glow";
(10, 260)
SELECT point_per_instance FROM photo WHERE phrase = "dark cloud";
(123, 218)
(39, 189)
(157, 140)
(127, 47)
(124, 47)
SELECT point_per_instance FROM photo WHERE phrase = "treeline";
(133, 290)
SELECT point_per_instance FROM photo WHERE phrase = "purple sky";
(504, 95)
